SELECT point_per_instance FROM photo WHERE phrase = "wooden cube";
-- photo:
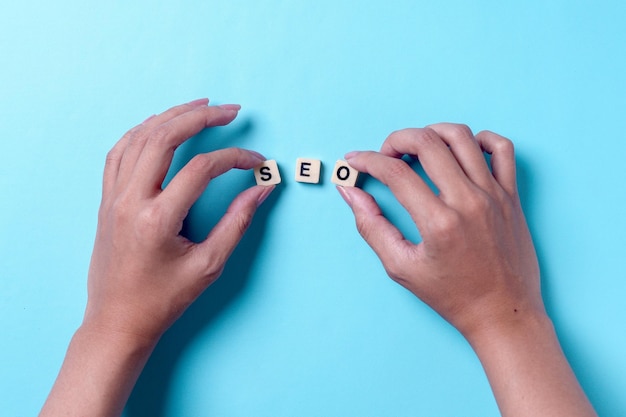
(308, 170)
(267, 173)
(344, 174)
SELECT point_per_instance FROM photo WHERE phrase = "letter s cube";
(267, 173)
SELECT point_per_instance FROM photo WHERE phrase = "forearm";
(528, 371)
(98, 374)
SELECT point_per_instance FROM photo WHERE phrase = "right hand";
(476, 264)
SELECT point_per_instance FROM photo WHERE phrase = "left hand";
(143, 273)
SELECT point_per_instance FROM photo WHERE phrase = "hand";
(143, 273)
(476, 264)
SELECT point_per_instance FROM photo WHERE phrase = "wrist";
(126, 323)
(98, 373)
(526, 367)
(114, 340)
(516, 327)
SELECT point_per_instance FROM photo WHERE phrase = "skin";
(143, 274)
(476, 265)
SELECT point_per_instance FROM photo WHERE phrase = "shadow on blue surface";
(151, 394)
(587, 368)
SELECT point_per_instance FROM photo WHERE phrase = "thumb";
(215, 250)
(382, 236)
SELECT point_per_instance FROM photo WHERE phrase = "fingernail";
(235, 107)
(264, 195)
(344, 194)
(351, 155)
(199, 102)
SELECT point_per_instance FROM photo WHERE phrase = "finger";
(382, 236)
(410, 190)
(173, 112)
(434, 156)
(187, 185)
(112, 166)
(155, 160)
(502, 154)
(133, 142)
(211, 255)
(467, 152)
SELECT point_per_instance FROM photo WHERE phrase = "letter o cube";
(344, 174)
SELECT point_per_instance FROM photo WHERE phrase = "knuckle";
(213, 268)
(239, 154)
(478, 203)
(137, 136)
(151, 221)
(162, 133)
(362, 226)
(200, 163)
(446, 226)
(113, 157)
(233, 155)
(117, 213)
(395, 269)
(505, 146)
(211, 114)
(392, 143)
(428, 137)
(402, 135)
(207, 268)
(396, 169)
(132, 132)
(399, 134)
(459, 130)
(499, 144)
(120, 208)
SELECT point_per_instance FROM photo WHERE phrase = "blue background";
(304, 321)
